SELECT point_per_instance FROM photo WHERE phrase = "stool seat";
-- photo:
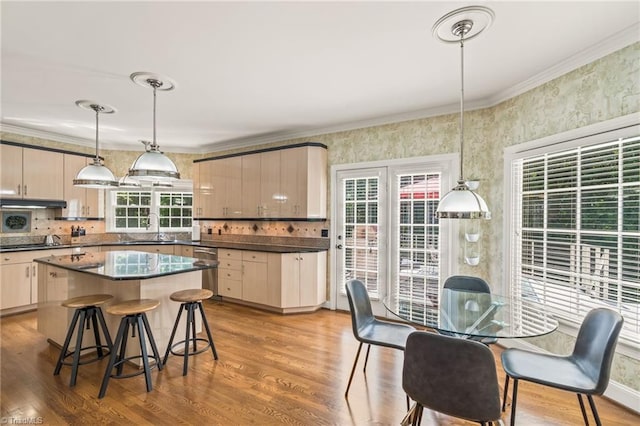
(85, 301)
(132, 307)
(191, 295)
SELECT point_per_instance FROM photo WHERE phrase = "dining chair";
(469, 284)
(370, 330)
(453, 376)
(586, 371)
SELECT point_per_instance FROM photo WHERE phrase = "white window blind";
(576, 222)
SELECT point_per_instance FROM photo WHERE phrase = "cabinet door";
(197, 196)
(74, 196)
(290, 280)
(312, 278)
(293, 182)
(219, 187)
(270, 196)
(254, 282)
(10, 171)
(207, 189)
(15, 285)
(42, 174)
(251, 186)
(232, 168)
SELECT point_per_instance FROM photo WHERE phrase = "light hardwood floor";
(273, 369)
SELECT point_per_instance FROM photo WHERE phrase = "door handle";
(339, 246)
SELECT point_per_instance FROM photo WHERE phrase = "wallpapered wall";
(604, 89)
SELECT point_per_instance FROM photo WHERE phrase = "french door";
(386, 233)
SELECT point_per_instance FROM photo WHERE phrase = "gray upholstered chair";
(470, 284)
(367, 329)
(586, 371)
(453, 376)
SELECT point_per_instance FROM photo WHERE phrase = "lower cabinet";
(286, 282)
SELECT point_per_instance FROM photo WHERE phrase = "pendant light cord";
(154, 114)
(461, 106)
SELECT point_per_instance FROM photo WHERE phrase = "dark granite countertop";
(128, 265)
(274, 248)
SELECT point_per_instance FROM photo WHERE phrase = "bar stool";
(191, 300)
(87, 311)
(134, 316)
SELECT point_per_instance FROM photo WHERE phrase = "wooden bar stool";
(134, 316)
(87, 311)
(191, 300)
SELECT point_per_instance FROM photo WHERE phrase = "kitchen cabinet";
(280, 183)
(186, 251)
(297, 281)
(19, 279)
(303, 182)
(81, 202)
(230, 273)
(254, 277)
(27, 173)
(149, 248)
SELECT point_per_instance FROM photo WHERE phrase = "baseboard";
(617, 392)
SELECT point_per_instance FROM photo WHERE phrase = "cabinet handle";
(88, 210)
(19, 187)
(25, 190)
(27, 274)
(34, 270)
(7, 258)
(53, 274)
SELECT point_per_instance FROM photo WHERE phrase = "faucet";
(158, 235)
(52, 240)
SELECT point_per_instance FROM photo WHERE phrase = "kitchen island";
(125, 275)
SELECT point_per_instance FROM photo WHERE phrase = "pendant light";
(153, 164)
(95, 175)
(457, 27)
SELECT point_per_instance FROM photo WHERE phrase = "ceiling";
(251, 72)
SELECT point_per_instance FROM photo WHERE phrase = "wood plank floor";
(273, 369)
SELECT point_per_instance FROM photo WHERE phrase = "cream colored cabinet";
(81, 202)
(226, 175)
(19, 279)
(186, 251)
(230, 273)
(203, 191)
(297, 281)
(251, 185)
(151, 248)
(15, 285)
(303, 182)
(27, 173)
(254, 277)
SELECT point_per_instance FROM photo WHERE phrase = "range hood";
(32, 204)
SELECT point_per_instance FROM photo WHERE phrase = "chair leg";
(173, 334)
(105, 330)
(353, 369)
(77, 350)
(206, 327)
(366, 358)
(190, 322)
(152, 342)
(504, 394)
(143, 350)
(96, 331)
(67, 340)
(513, 402)
(584, 412)
(112, 357)
(594, 410)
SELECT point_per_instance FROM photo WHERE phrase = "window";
(134, 211)
(575, 240)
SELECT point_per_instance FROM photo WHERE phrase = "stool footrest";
(191, 352)
(87, 361)
(137, 373)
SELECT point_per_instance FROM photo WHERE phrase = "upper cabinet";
(81, 202)
(281, 183)
(27, 173)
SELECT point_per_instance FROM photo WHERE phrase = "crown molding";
(620, 40)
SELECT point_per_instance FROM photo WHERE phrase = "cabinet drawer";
(230, 274)
(254, 256)
(229, 254)
(235, 264)
(27, 256)
(230, 288)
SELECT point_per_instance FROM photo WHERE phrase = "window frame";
(154, 209)
(621, 127)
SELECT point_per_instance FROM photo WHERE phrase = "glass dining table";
(469, 314)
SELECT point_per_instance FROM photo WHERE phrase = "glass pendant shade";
(153, 164)
(95, 175)
(463, 203)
